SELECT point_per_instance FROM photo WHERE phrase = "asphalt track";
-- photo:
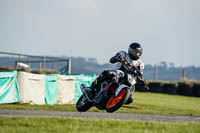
(97, 115)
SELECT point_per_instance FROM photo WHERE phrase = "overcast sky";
(169, 30)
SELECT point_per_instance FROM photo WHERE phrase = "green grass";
(72, 125)
(153, 103)
(145, 103)
(66, 107)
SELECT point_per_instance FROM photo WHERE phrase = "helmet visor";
(136, 53)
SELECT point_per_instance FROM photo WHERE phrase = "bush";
(2, 69)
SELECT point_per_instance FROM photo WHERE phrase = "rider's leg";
(105, 75)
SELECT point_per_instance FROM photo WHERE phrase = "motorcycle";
(112, 94)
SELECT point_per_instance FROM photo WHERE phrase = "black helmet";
(135, 51)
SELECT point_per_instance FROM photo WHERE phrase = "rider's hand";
(118, 57)
(146, 85)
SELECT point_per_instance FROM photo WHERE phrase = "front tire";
(115, 102)
(83, 104)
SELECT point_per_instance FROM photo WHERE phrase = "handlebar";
(133, 70)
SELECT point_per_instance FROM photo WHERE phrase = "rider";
(133, 57)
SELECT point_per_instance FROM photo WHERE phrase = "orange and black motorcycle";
(113, 93)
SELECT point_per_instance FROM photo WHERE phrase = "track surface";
(98, 115)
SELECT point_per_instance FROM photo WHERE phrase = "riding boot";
(95, 84)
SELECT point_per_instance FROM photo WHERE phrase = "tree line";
(80, 65)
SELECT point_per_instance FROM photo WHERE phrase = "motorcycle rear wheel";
(115, 102)
(83, 104)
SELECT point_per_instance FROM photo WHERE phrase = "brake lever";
(146, 84)
(147, 87)
(141, 78)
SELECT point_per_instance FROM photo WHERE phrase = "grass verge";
(144, 103)
(72, 125)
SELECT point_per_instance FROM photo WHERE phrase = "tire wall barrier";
(177, 88)
(196, 90)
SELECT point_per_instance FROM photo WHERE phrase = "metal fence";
(43, 62)
(172, 74)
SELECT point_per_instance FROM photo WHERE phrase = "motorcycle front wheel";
(83, 104)
(115, 102)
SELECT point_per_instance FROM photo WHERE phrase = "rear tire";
(115, 102)
(83, 104)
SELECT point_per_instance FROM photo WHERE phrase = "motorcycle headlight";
(120, 73)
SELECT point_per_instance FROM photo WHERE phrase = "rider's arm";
(115, 58)
(142, 81)
(140, 67)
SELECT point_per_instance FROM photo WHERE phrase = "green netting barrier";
(51, 89)
(9, 92)
(82, 79)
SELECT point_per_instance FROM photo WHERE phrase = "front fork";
(120, 88)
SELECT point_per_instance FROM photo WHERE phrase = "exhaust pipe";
(83, 90)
